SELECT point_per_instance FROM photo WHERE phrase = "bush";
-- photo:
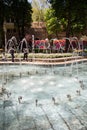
(40, 55)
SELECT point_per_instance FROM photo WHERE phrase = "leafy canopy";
(74, 12)
(52, 22)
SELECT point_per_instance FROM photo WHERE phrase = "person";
(26, 42)
(12, 51)
(26, 45)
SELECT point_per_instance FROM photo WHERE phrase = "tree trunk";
(68, 29)
(67, 45)
(22, 28)
(1, 35)
(57, 34)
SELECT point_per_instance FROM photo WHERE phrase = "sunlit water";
(43, 83)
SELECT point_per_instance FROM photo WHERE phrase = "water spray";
(36, 102)
(19, 99)
(53, 99)
(69, 97)
(78, 92)
(81, 84)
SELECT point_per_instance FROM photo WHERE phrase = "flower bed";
(42, 45)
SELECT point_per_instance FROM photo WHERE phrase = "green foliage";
(22, 12)
(2, 13)
(19, 11)
(74, 12)
(38, 10)
(39, 55)
(52, 23)
(38, 15)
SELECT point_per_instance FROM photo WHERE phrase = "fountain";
(43, 100)
(12, 42)
(43, 97)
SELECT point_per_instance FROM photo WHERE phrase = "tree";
(22, 12)
(18, 10)
(74, 12)
(2, 11)
(38, 15)
(52, 22)
(38, 10)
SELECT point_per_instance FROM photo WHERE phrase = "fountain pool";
(51, 97)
